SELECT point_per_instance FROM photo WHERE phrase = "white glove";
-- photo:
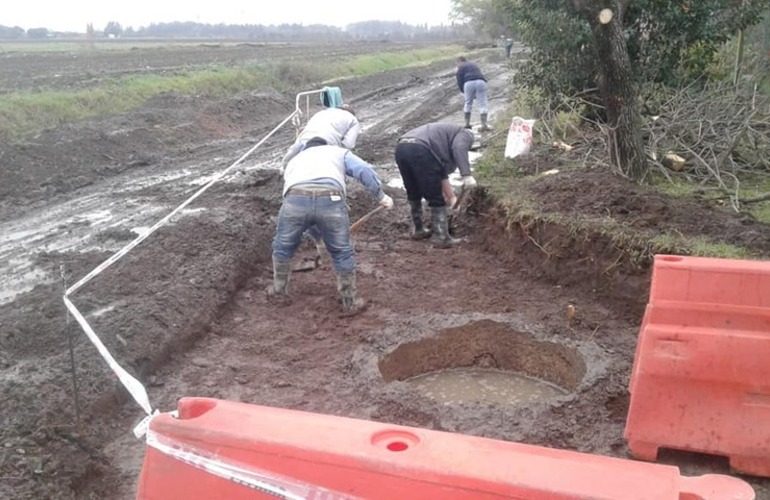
(386, 202)
(469, 182)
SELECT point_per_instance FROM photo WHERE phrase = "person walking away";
(508, 46)
(473, 85)
(314, 193)
(425, 157)
(337, 126)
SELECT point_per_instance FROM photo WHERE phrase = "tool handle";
(360, 222)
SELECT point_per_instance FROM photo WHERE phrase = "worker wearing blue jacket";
(473, 85)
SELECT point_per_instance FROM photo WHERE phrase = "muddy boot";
(468, 120)
(484, 126)
(281, 273)
(420, 233)
(346, 286)
(441, 237)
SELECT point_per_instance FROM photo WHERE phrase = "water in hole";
(487, 386)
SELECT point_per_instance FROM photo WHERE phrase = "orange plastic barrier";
(701, 376)
(228, 450)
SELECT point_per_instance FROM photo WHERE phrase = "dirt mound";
(594, 193)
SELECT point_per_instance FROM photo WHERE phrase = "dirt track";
(186, 311)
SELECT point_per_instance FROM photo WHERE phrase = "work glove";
(469, 182)
(386, 202)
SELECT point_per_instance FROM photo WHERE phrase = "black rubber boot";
(420, 233)
(484, 126)
(441, 237)
(468, 120)
(281, 274)
(346, 286)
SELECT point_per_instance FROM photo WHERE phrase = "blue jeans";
(330, 216)
(314, 233)
(475, 90)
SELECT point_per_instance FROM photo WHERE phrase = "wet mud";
(186, 311)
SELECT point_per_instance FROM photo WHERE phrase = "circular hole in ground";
(486, 361)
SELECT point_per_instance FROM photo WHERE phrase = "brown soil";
(187, 314)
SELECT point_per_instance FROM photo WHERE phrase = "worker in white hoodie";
(337, 126)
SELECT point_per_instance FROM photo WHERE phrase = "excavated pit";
(486, 362)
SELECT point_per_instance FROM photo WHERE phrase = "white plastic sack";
(519, 137)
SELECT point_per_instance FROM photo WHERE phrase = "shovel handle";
(459, 199)
(360, 222)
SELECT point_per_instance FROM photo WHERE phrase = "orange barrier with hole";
(701, 375)
(222, 449)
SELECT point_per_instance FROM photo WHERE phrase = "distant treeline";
(367, 30)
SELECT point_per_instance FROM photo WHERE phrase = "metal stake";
(73, 369)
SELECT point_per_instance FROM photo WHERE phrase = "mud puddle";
(104, 220)
(478, 385)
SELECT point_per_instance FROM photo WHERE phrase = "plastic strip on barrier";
(264, 482)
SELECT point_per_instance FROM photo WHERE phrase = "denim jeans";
(475, 90)
(313, 233)
(329, 214)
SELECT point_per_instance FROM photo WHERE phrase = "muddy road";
(187, 314)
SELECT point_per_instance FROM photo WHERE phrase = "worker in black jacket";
(473, 85)
(425, 157)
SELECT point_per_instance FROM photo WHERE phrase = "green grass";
(761, 211)
(83, 45)
(760, 185)
(698, 246)
(681, 188)
(23, 113)
(26, 112)
(383, 61)
(58, 46)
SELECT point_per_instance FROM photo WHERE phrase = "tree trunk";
(617, 88)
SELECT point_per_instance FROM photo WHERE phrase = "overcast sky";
(73, 15)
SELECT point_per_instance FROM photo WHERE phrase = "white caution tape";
(265, 482)
(134, 387)
(143, 426)
(123, 251)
